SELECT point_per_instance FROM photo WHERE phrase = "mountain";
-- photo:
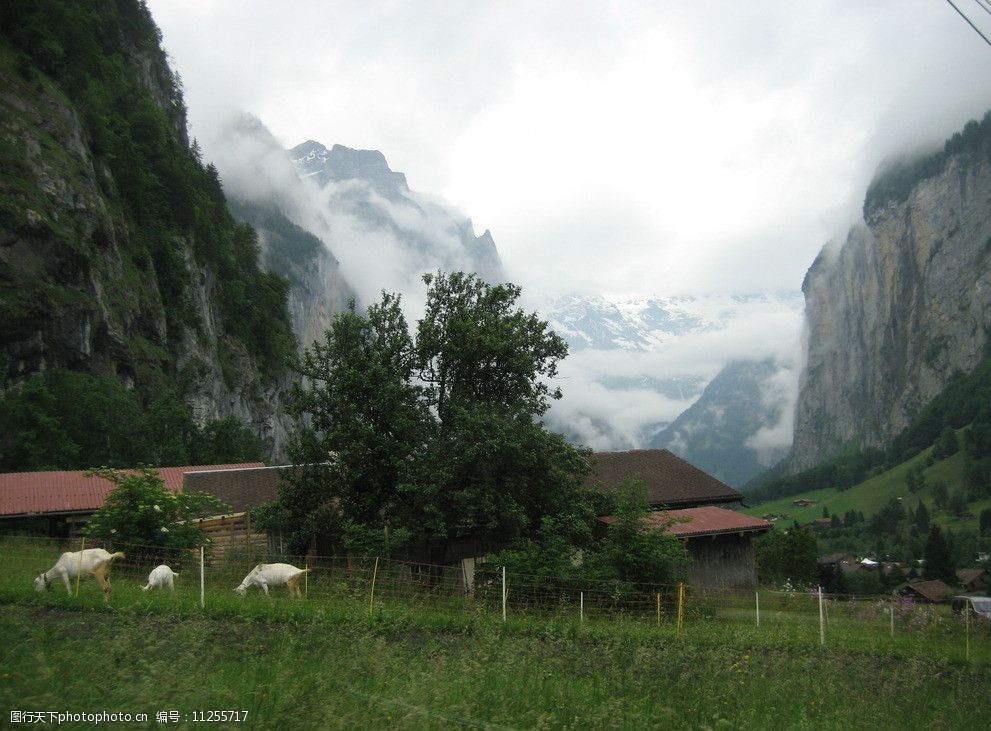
(903, 305)
(721, 432)
(339, 223)
(637, 364)
(361, 184)
(118, 256)
(648, 323)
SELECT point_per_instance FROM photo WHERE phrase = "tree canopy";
(433, 435)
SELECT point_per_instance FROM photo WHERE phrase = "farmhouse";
(930, 592)
(670, 481)
(719, 541)
(58, 503)
(974, 580)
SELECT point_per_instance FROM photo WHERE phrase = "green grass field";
(329, 662)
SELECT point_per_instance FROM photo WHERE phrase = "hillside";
(118, 256)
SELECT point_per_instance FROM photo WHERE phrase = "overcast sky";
(614, 147)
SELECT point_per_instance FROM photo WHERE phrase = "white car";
(980, 605)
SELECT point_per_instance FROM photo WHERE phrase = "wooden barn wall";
(723, 561)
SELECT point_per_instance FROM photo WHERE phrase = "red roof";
(26, 493)
(705, 521)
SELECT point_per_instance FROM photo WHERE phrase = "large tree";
(437, 437)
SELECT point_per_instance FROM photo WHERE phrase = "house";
(719, 543)
(686, 502)
(58, 503)
(933, 591)
(974, 580)
(669, 481)
(845, 562)
(802, 503)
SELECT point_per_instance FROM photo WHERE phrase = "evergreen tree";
(947, 444)
(941, 495)
(985, 522)
(922, 518)
(938, 560)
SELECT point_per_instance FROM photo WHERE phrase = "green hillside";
(872, 495)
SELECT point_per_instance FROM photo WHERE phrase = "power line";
(976, 29)
(983, 5)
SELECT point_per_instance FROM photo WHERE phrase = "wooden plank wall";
(233, 539)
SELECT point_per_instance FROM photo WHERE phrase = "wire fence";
(484, 589)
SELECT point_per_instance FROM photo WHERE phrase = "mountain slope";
(718, 433)
(118, 256)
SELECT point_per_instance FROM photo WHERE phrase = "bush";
(141, 511)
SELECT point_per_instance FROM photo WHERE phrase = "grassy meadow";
(873, 493)
(338, 660)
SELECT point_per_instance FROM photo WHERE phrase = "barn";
(58, 503)
(686, 503)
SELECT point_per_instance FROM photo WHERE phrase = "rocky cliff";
(903, 304)
(117, 254)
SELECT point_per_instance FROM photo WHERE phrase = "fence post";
(966, 609)
(822, 621)
(79, 568)
(202, 584)
(581, 608)
(681, 605)
(503, 593)
(306, 580)
(375, 572)
(657, 607)
(892, 611)
(757, 605)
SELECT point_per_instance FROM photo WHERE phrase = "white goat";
(160, 577)
(89, 562)
(273, 574)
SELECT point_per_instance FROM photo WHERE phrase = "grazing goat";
(160, 577)
(89, 562)
(273, 574)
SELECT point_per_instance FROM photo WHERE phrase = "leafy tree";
(788, 556)
(938, 560)
(141, 511)
(438, 436)
(835, 522)
(634, 550)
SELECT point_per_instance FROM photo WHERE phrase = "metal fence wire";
(207, 577)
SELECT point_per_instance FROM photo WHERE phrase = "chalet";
(802, 503)
(719, 541)
(933, 591)
(974, 580)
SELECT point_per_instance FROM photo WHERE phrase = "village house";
(59, 503)
(974, 581)
(933, 591)
(685, 501)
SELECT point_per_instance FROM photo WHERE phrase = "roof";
(704, 521)
(933, 590)
(968, 575)
(242, 489)
(670, 481)
(31, 493)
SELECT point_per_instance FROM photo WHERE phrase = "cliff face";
(902, 306)
(126, 269)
